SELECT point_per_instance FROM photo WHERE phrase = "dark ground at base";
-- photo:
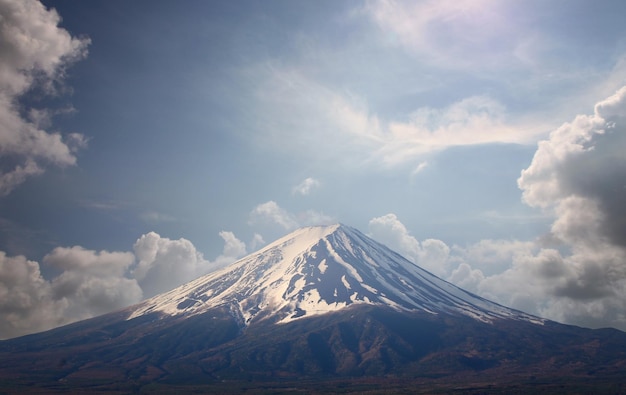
(366, 386)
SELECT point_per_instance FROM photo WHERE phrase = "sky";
(145, 143)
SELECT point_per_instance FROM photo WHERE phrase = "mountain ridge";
(318, 269)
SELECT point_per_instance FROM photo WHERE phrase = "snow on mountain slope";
(320, 269)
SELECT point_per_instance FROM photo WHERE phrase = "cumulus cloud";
(164, 264)
(583, 160)
(91, 283)
(430, 254)
(487, 268)
(578, 175)
(306, 186)
(26, 302)
(584, 286)
(34, 52)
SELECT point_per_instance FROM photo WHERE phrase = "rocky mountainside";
(323, 309)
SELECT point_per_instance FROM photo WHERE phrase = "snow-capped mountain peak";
(317, 270)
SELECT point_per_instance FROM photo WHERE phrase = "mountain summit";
(324, 309)
(321, 269)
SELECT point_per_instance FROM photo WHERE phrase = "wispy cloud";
(450, 34)
(338, 125)
(103, 205)
(154, 217)
(419, 168)
(270, 213)
(306, 186)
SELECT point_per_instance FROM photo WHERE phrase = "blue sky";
(145, 143)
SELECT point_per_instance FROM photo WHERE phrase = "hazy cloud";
(306, 186)
(155, 217)
(419, 168)
(470, 121)
(341, 125)
(452, 34)
(34, 52)
(270, 212)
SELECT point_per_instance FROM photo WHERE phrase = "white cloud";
(26, 302)
(257, 242)
(471, 121)
(339, 126)
(306, 186)
(493, 256)
(419, 168)
(34, 52)
(233, 249)
(466, 277)
(164, 264)
(91, 283)
(586, 287)
(12, 178)
(312, 217)
(79, 259)
(431, 254)
(578, 175)
(270, 212)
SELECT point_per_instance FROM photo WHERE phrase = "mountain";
(317, 270)
(323, 309)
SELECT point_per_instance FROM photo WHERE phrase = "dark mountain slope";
(321, 310)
